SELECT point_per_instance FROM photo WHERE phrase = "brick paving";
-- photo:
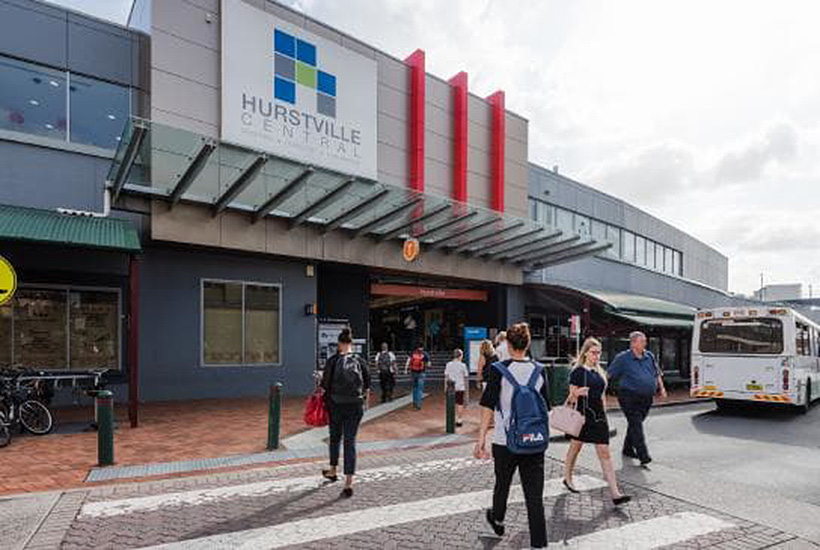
(569, 516)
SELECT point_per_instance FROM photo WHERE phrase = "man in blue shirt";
(639, 378)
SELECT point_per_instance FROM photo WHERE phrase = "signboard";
(293, 94)
(473, 336)
(410, 251)
(410, 291)
(8, 281)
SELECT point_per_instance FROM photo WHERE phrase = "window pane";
(670, 355)
(640, 250)
(563, 220)
(32, 99)
(548, 213)
(629, 247)
(534, 210)
(599, 231)
(40, 329)
(679, 263)
(650, 254)
(93, 329)
(613, 235)
(582, 226)
(222, 323)
(261, 324)
(667, 262)
(739, 335)
(5, 336)
(98, 112)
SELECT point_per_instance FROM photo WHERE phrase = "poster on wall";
(293, 94)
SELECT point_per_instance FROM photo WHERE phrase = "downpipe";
(106, 211)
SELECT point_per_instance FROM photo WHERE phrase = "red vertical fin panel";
(460, 133)
(497, 161)
(416, 120)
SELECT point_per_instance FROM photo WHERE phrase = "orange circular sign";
(411, 249)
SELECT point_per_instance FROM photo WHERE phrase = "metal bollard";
(105, 427)
(274, 415)
(450, 424)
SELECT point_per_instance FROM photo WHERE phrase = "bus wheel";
(724, 405)
(807, 405)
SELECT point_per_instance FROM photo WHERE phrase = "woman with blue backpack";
(587, 388)
(516, 399)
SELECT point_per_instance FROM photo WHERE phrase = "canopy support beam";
(398, 230)
(192, 171)
(240, 184)
(283, 194)
(355, 211)
(329, 198)
(385, 218)
(130, 155)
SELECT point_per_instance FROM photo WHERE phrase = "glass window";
(678, 263)
(741, 336)
(534, 207)
(802, 343)
(669, 355)
(613, 235)
(583, 225)
(241, 323)
(261, 324)
(668, 262)
(628, 246)
(640, 250)
(40, 329)
(32, 99)
(658, 257)
(563, 220)
(98, 111)
(94, 329)
(598, 231)
(548, 212)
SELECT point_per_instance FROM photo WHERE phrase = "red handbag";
(315, 410)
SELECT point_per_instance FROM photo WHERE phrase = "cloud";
(779, 145)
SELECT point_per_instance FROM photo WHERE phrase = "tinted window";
(32, 99)
(741, 336)
(640, 250)
(629, 246)
(98, 111)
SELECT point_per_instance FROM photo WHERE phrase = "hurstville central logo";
(295, 62)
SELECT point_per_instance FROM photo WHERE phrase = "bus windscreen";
(741, 336)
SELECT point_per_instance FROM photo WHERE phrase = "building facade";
(197, 201)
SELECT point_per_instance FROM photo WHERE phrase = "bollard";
(274, 415)
(450, 423)
(105, 427)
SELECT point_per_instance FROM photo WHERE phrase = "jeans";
(387, 381)
(635, 408)
(418, 388)
(531, 471)
(344, 424)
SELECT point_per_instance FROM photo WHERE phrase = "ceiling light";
(54, 83)
(50, 126)
(112, 117)
(33, 102)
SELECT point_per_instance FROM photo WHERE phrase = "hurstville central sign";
(296, 95)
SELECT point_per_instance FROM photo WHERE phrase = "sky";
(704, 113)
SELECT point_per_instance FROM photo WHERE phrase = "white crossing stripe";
(651, 533)
(109, 508)
(348, 523)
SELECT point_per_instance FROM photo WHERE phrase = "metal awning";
(175, 165)
(47, 226)
(660, 322)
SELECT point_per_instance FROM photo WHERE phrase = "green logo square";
(305, 75)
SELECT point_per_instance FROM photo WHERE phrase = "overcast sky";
(704, 113)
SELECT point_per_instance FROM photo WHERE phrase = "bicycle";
(20, 407)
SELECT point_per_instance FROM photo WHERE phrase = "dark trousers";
(531, 471)
(635, 408)
(387, 381)
(344, 424)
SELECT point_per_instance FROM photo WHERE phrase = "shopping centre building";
(199, 200)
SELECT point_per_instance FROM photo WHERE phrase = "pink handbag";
(567, 419)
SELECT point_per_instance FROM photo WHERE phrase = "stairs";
(436, 372)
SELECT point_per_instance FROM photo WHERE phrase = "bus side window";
(802, 339)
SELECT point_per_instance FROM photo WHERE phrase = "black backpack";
(347, 383)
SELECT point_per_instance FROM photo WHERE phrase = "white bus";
(760, 354)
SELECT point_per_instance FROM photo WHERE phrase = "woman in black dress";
(587, 387)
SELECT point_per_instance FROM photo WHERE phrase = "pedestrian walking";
(417, 364)
(486, 358)
(346, 381)
(501, 348)
(587, 392)
(386, 363)
(516, 398)
(456, 373)
(639, 378)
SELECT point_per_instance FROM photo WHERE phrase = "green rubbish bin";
(558, 378)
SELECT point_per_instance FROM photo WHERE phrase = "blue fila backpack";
(528, 430)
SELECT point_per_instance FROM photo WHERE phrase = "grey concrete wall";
(185, 77)
(170, 315)
(701, 262)
(66, 40)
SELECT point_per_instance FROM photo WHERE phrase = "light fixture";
(54, 83)
(112, 117)
(50, 126)
(33, 102)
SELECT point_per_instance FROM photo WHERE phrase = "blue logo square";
(306, 52)
(284, 43)
(284, 90)
(326, 83)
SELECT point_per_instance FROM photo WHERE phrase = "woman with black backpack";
(346, 382)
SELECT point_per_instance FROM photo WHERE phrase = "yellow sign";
(411, 249)
(8, 281)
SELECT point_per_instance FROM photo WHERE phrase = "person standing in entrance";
(456, 373)
(485, 361)
(501, 347)
(346, 381)
(417, 364)
(516, 397)
(639, 378)
(386, 363)
(587, 390)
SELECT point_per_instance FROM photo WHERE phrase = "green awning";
(637, 304)
(665, 322)
(46, 226)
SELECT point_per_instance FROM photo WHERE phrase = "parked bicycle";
(20, 407)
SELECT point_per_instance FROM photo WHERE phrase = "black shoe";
(570, 488)
(630, 454)
(498, 528)
(326, 474)
(459, 424)
(623, 499)
(347, 492)
(646, 460)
